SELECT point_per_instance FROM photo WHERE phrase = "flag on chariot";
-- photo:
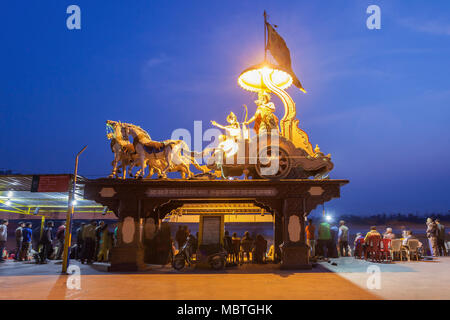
(279, 50)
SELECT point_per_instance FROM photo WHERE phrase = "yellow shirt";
(371, 233)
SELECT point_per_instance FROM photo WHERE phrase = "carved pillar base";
(127, 259)
(128, 255)
(295, 256)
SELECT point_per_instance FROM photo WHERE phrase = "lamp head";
(251, 79)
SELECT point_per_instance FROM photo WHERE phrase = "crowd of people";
(333, 241)
(23, 240)
(93, 242)
(238, 249)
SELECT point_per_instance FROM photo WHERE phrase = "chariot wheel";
(273, 163)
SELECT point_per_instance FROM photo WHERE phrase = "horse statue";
(124, 153)
(162, 157)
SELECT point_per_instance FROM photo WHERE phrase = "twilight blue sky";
(378, 100)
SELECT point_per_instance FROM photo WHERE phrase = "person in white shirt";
(3, 237)
(343, 239)
(389, 234)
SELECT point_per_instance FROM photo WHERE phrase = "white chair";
(396, 248)
(413, 249)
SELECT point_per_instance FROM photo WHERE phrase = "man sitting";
(368, 239)
(409, 236)
(358, 245)
(260, 249)
(373, 232)
(389, 234)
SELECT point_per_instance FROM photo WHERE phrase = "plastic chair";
(386, 249)
(412, 249)
(396, 248)
(373, 248)
(359, 248)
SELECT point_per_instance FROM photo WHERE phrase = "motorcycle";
(215, 256)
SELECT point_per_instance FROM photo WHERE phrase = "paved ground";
(347, 280)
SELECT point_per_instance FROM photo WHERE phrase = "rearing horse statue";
(166, 156)
(123, 150)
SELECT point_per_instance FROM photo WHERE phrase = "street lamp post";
(70, 210)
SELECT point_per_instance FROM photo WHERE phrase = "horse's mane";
(138, 128)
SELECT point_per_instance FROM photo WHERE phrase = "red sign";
(54, 183)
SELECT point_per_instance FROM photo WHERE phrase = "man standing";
(311, 238)
(432, 237)
(98, 231)
(80, 240)
(227, 243)
(343, 239)
(324, 239)
(104, 244)
(3, 237)
(19, 240)
(89, 242)
(26, 244)
(60, 234)
(180, 236)
(333, 244)
(441, 238)
(46, 242)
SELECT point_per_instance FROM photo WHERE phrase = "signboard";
(211, 229)
(210, 193)
(50, 183)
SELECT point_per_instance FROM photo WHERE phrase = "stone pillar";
(294, 251)
(128, 255)
(277, 236)
(151, 228)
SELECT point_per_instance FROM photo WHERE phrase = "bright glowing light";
(10, 194)
(252, 78)
(328, 217)
(74, 202)
(8, 202)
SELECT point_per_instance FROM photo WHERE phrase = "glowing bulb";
(328, 218)
(252, 78)
(74, 202)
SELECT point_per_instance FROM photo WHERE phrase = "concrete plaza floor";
(345, 280)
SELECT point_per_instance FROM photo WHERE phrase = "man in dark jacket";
(180, 237)
(19, 240)
(441, 238)
(46, 242)
(80, 241)
(228, 244)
